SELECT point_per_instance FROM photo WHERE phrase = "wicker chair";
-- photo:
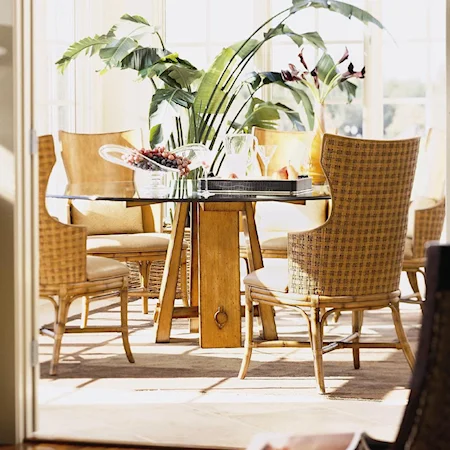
(353, 262)
(66, 273)
(427, 226)
(124, 234)
(425, 420)
(275, 219)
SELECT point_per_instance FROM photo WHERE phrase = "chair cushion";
(408, 248)
(98, 268)
(273, 277)
(129, 243)
(279, 216)
(103, 217)
(269, 240)
(418, 203)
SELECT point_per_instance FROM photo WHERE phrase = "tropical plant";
(191, 105)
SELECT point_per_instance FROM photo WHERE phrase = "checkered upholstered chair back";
(62, 248)
(359, 250)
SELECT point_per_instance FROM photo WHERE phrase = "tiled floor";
(180, 394)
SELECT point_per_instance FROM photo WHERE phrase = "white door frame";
(19, 244)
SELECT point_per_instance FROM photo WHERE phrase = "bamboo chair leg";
(144, 268)
(183, 282)
(316, 345)
(356, 328)
(84, 312)
(248, 335)
(59, 329)
(412, 278)
(409, 355)
(124, 323)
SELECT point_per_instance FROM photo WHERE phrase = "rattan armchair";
(130, 235)
(351, 263)
(67, 273)
(274, 219)
(425, 420)
(428, 224)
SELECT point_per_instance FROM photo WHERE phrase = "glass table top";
(129, 192)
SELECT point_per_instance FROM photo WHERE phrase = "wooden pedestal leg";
(170, 275)
(219, 293)
(193, 286)
(255, 261)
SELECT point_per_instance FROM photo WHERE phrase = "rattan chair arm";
(428, 225)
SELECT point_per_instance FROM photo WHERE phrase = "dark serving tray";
(301, 184)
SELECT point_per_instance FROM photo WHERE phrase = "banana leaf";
(267, 114)
(164, 109)
(343, 8)
(88, 45)
(258, 79)
(217, 75)
(299, 39)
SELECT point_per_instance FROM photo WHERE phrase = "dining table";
(214, 308)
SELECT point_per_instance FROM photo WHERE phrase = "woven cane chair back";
(428, 226)
(82, 161)
(359, 250)
(62, 248)
(425, 422)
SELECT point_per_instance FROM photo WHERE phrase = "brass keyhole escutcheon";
(220, 317)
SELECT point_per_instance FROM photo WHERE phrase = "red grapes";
(140, 158)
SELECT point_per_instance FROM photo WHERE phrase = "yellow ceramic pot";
(315, 170)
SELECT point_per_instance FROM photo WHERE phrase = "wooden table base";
(215, 277)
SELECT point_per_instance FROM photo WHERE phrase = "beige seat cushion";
(98, 268)
(408, 248)
(269, 240)
(279, 216)
(129, 243)
(101, 217)
(273, 277)
(417, 204)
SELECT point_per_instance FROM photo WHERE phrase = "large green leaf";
(89, 45)
(164, 110)
(299, 39)
(212, 89)
(135, 19)
(266, 115)
(343, 8)
(176, 75)
(258, 79)
(143, 58)
(117, 50)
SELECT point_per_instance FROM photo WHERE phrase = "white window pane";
(336, 27)
(62, 87)
(186, 21)
(60, 19)
(195, 55)
(402, 121)
(437, 19)
(405, 19)
(404, 72)
(230, 21)
(288, 54)
(346, 120)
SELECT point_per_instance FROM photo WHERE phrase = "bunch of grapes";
(161, 156)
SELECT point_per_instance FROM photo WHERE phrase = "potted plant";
(190, 105)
